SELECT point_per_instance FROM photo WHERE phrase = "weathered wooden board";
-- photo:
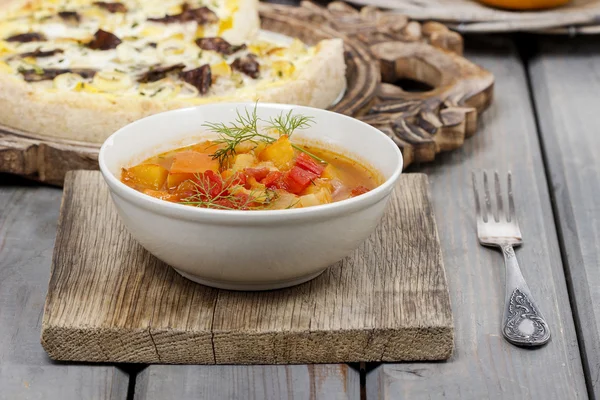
(258, 382)
(484, 365)
(565, 88)
(28, 218)
(381, 49)
(110, 300)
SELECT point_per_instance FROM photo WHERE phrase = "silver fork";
(522, 321)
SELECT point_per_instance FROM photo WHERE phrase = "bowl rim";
(185, 212)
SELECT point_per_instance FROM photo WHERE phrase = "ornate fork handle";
(523, 323)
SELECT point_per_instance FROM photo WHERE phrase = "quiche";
(81, 69)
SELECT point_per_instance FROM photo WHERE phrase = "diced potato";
(330, 172)
(150, 175)
(318, 186)
(260, 147)
(283, 69)
(245, 147)
(193, 162)
(173, 180)
(281, 153)
(309, 200)
(284, 200)
(242, 161)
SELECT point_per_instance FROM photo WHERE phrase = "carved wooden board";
(111, 301)
(381, 50)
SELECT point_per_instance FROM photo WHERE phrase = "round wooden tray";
(381, 49)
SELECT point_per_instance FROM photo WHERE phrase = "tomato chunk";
(307, 163)
(257, 173)
(298, 179)
(357, 191)
(209, 184)
(274, 180)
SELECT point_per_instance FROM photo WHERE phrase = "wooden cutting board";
(111, 301)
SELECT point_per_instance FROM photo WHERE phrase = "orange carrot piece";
(190, 162)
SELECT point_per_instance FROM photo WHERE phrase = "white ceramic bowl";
(248, 250)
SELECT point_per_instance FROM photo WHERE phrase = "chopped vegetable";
(193, 162)
(150, 175)
(280, 153)
(249, 169)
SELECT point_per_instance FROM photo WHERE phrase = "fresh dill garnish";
(245, 129)
(225, 196)
(286, 124)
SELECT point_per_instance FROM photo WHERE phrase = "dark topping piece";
(39, 54)
(31, 75)
(156, 74)
(248, 65)
(115, 7)
(27, 37)
(152, 44)
(104, 41)
(200, 77)
(70, 16)
(219, 45)
(202, 15)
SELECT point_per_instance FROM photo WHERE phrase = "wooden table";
(544, 126)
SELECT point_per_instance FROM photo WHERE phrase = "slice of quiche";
(81, 69)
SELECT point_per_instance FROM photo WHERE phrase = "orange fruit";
(524, 4)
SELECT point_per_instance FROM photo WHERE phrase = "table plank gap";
(566, 83)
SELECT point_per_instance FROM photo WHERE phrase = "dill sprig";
(225, 197)
(286, 124)
(245, 129)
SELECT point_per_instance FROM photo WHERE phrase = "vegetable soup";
(248, 168)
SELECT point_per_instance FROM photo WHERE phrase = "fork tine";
(477, 207)
(500, 212)
(511, 202)
(486, 191)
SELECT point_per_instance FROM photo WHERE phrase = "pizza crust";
(93, 117)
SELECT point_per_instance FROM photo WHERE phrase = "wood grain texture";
(484, 365)
(471, 16)
(380, 49)
(110, 300)
(565, 89)
(27, 228)
(264, 382)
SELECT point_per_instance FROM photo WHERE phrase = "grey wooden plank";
(566, 86)
(261, 382)
(28, 217)
(484, 365)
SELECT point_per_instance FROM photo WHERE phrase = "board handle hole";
(412, 85)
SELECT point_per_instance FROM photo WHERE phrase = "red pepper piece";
(274, 180)
(357, 191)
(209, 183)
(298, 179)
(307, 163)
(258, 173)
